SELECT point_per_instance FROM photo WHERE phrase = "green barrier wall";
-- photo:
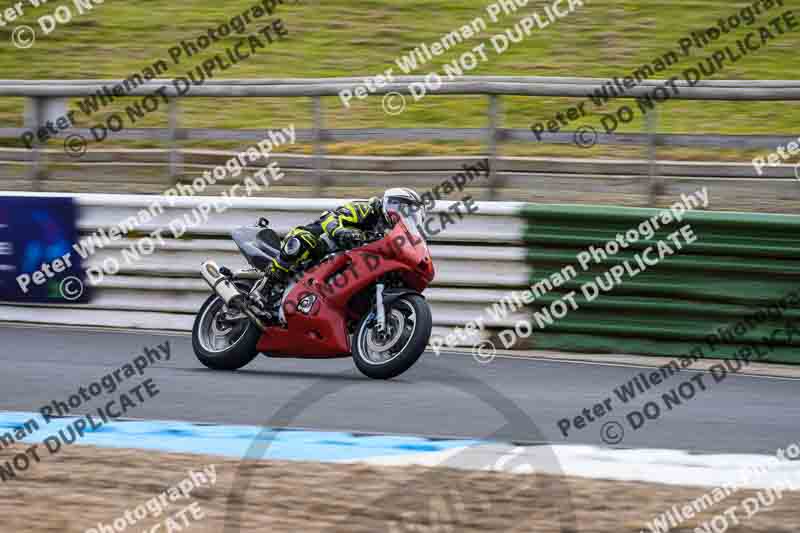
(741, 263)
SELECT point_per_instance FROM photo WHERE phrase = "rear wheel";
(220, 343)
(387, 354)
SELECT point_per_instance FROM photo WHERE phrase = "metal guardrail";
(467, 85)
(493, 87)
(478, 260)
(733, 186)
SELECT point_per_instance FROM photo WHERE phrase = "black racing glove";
(349, 238)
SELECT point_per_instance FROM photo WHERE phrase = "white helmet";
(401, 199)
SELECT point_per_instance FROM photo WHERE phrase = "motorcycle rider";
(340, 228)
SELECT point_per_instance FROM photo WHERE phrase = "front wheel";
(387, 354)
(222, 344)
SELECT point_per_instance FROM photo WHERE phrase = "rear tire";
(240, 352)
(413, 340)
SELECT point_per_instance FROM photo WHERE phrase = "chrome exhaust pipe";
(221, 284)
(226, 290)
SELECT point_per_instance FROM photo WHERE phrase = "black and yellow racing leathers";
(308, 242)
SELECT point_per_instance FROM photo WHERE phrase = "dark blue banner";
(36, 238)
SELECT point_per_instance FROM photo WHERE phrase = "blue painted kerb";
(232, 441)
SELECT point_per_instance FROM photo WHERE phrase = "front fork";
(380, 312)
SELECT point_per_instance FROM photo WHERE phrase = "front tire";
(222, 346)
(408, 325)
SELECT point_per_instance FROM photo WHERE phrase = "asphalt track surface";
(451, 395)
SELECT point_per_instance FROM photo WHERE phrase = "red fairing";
(321, 329)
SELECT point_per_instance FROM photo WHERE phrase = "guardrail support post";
(34, 117)
(655, 185)
(175, 157)
(494, 112)
(318, 136)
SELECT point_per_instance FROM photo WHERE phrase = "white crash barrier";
(478, 259)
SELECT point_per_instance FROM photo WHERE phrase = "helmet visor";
(413, 213)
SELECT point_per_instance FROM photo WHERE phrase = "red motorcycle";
(365, 302)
